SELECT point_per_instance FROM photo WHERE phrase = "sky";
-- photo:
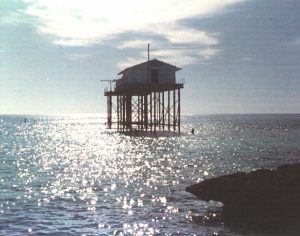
(237, 56)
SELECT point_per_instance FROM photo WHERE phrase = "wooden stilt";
(109, 111)
(138, 112)
(169, 112)
(146, 111)
(179, 111)
(159, 109)
(118, 114)
(155, 115)
(174, 110)
(163, 110)
(124, 116)
(151, 118)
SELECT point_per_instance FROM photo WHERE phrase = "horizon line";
(184, 114)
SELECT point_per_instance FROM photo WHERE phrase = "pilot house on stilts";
(145, 98)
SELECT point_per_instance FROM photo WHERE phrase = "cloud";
(181, 46)
(77, 22)
(137, 44)
(177, 56)
(188, 35)
(12, 18)
(129, 61)
(76, 56)
(208, 52)
(84, 23)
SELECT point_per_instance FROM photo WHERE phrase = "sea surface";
(69, 175)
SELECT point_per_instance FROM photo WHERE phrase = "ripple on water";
(69, 175)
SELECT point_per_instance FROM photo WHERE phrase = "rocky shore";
(263, 196)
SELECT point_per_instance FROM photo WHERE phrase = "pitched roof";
(152, 62)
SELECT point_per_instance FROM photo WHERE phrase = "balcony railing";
(180, 81)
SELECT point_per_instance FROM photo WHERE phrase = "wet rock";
(262, 196)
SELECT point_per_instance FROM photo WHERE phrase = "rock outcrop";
(265, 196)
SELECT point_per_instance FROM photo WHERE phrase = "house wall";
(139, 75)
(166, 75)
(136, 75)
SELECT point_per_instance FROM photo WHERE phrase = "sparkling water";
(69, 175)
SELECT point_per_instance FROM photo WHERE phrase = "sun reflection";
(78, 167)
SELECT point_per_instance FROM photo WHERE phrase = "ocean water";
(69, 175)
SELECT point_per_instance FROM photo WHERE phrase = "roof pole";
(148, 51)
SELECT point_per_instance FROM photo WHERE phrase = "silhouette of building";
(145, 98)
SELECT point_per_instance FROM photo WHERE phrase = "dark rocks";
(265, 196)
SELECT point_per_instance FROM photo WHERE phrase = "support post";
(163, 110)
(124, 117)
(146, 111)
(128, 113)
(109, 111)
(179, 111)
(155, 115)
(174, 110)
(118, 114)
(169, 111)
(159, 111)
(142, 112)
(151, 118)
(138, 111)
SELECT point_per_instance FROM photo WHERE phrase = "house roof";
(152, 62)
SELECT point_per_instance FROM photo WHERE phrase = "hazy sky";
(237, 56)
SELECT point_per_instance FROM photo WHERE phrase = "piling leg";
(118, 114)
(146, 111)
(163, 110)
(128, 113)
(124, 117)
(155, 115)
(178, 111)
(151, 118)
(174, 110)
(159, 110)
(138, 112)
(169, 112)
(109, 111)
(143, 113)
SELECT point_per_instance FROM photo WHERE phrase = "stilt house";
(146, 97)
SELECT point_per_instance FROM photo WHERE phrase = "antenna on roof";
(148, 51)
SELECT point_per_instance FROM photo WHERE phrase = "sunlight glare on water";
(70, 175)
